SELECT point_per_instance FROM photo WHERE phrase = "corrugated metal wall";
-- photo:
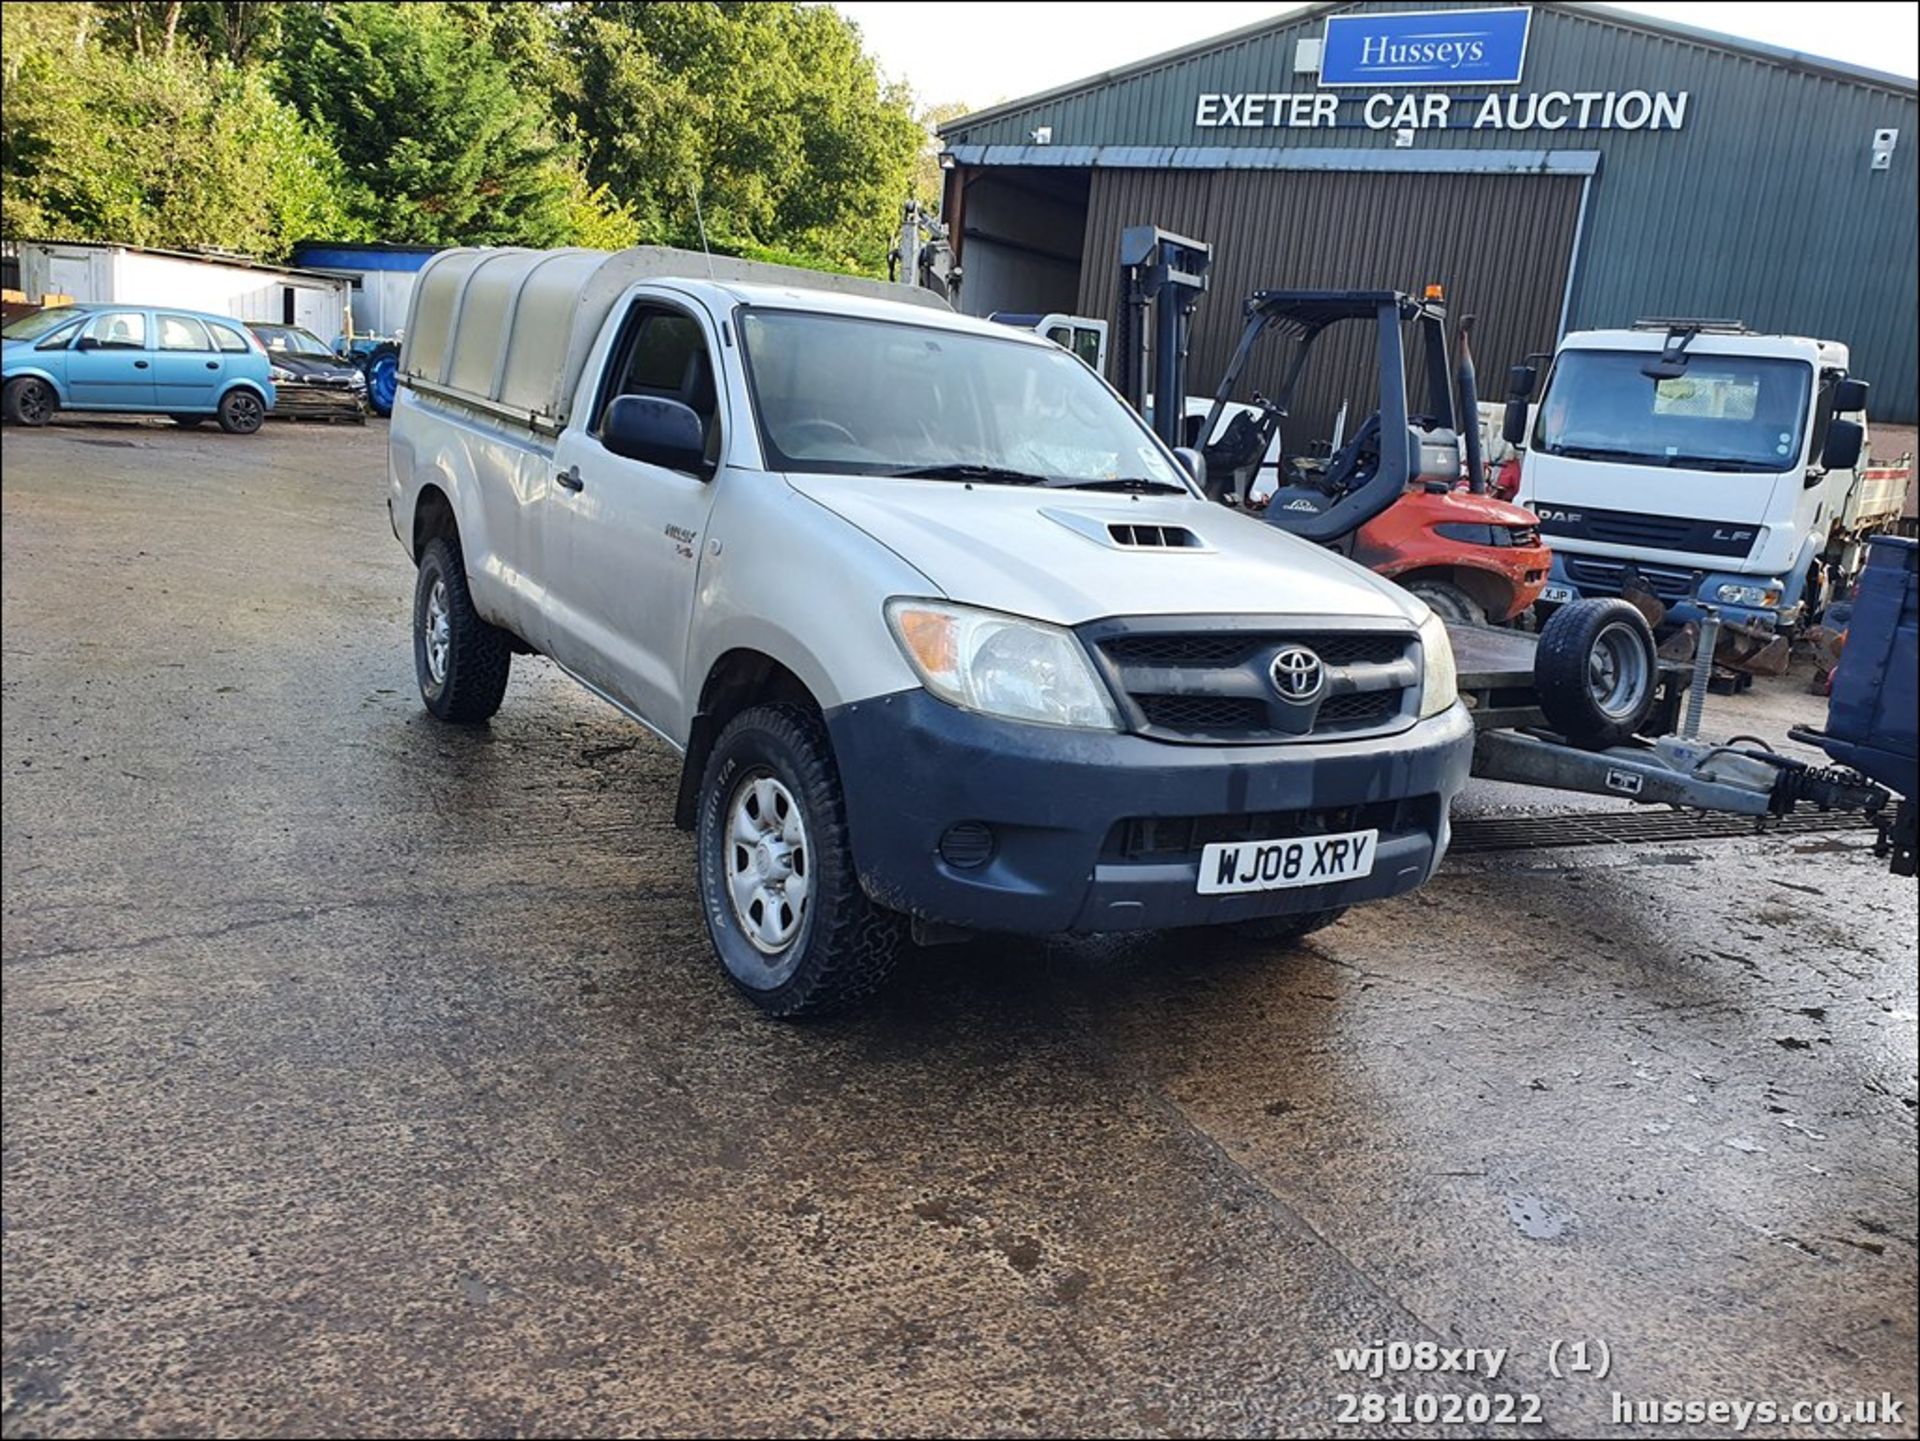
(1310, 230)
(1762, 206)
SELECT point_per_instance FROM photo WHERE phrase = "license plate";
(1558, 594)
(1230, 867)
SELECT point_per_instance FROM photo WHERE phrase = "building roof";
(1613, 15)
(205, 257)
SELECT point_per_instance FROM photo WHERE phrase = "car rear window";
(227, 339)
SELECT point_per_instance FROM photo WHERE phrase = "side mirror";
(1842, 449)
(657, 431)
(1520, 382)
(86, 342)
(1193, 463)
(1513, 424)
(1850, 396)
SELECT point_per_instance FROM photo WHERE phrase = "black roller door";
(1500, 244)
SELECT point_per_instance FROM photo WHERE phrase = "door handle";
(213, 365)
(139, 365)
(569, 479)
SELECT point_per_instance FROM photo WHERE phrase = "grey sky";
(983, 51)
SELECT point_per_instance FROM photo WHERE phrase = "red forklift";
(1393, 496)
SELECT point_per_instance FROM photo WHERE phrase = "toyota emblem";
(1298, 675)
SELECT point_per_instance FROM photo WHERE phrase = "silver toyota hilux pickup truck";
(947, 639)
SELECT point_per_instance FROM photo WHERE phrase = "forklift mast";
(1166, 274)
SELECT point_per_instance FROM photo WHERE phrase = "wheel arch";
(242, 382)
(738, 679)
(45, 377)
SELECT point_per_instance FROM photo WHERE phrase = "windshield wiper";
(1120, 482)
(1596, 452)
(1709, 462)
(957, 470)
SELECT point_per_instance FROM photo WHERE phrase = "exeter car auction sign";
(1450, 48)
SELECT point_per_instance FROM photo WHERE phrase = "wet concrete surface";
(366, 1076)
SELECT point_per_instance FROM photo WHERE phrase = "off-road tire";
(479, 655)
(242, 412)
(1286, 930)
(846, 945)
(1561, 672)
(1449, 602)
(28, 400)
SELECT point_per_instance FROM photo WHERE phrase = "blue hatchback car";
(134, 358)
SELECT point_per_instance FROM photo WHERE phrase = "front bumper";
(1686, 604)
(1095, 831)
(296, 399)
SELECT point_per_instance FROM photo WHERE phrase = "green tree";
(771, 114)
(156, 150)
(441, 146)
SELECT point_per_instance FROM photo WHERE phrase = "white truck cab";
(1719, 467)
(947, 639)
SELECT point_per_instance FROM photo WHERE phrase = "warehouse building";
(218, 283)
(1554, 167)
(380, 275)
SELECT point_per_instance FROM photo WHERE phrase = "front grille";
(1607, 577)
(1656, 532)
(1364, 709)
(1164, 838)
(1207, 650)
(1198, 713)
(1213, 683)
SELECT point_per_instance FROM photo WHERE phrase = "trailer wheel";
(1596, 672)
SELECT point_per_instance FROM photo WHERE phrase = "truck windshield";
(1727, 412)
(848, 396)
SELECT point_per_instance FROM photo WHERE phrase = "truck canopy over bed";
(508, 330)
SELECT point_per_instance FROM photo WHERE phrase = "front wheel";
(460, 661)
(782, 899)
(28, 401)
(242, 412)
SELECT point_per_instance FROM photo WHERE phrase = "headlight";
(1762, 597)
(1000, 664)
(278, 373)
(1439, 681)
(356, 381)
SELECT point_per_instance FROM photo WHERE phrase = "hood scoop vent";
(1154, 537)
(1125, 533)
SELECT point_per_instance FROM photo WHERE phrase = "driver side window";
(117, 330)
(665, 356)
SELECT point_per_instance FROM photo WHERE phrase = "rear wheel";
(1449, 602)
(1596, 672)
(460, 661)
(28, 401)
(782, 900)
(242, 412)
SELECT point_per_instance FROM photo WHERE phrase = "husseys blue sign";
(1426, 47)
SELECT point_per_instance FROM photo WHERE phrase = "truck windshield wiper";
(990, 474)
(1121, 482)
(1707, 462)
(1596, 452)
